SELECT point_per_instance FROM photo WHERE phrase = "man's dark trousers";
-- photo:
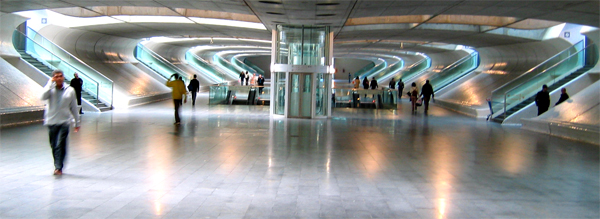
(177, 103)
(58, 142)
(194, 98)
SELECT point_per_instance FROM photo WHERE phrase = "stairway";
(48, 71)
(500, 118)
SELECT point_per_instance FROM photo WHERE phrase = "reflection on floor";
(237, 162)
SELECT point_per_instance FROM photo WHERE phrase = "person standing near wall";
(542, 100)
(178, 93)
(194, 88)
(61, 109)
(77, 84)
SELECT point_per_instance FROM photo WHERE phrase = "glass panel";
(306, 102)
(54, 57)
(217, 95)
(157, 63)
(301, 45)
(321, 101)
(293, 105)
(545, 67)
(280, 93)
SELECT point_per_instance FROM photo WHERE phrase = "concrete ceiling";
(351, 20)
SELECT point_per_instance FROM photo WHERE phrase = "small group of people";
(366, 84)
(426, 95)
(251, 79)
(179, 92)
(542, 99)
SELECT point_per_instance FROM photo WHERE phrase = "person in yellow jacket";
(179, 92)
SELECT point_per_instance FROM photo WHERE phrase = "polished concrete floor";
(237, 162)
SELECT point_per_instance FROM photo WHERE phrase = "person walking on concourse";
(374, 84)
(427, 93)
(77, 84)
(194, 88)
(177, 94)
(392, 84)
(61, 110)
(542, 100)
(366, 83)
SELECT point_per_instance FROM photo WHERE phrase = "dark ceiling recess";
(274, 13)
(325, 15)
(278, 22)
(328, 3)
(271, 2)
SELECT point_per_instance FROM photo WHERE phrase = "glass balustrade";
(531, 82)
(359, 98)
(219, 94)
(414, 70)
(392, 70)
(256, 68)
(242, 65)
(376, 69)
(210, 71)
(227, 66)
(51, 55)
(548, 77)
(453, 72)
(157, 63)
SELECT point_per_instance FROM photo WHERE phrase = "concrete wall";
(8, 23)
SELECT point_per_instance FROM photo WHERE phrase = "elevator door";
(300, 95)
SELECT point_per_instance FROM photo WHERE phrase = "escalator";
(554, 72)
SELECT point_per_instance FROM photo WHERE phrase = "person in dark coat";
(242, 77)
(427, 94)
(374, 84)
(194, 88)
(392, 84)
(261, 83)
(563, 96)
(77, 84)
(400, 88)
(366, 83)
(542, 100)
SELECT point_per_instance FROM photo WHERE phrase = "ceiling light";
(328, 3)
(271, 2)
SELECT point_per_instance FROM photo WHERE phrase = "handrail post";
(98, 95)
(504, 107)
(112, 95)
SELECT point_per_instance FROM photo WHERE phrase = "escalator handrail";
(65, 51)
(61, 59)
(162, 60)
(410, 67)
(453, 65)
(542, 73)
(536, 67)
